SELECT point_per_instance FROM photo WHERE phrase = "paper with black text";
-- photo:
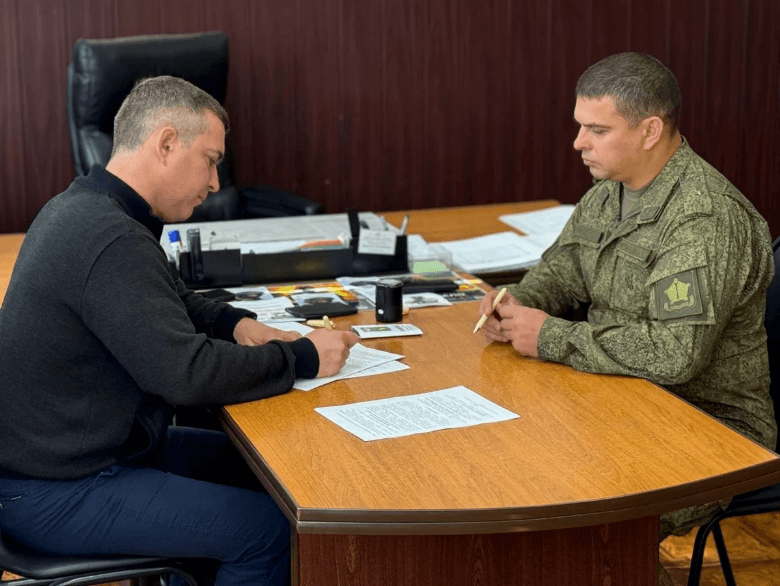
(401, 416)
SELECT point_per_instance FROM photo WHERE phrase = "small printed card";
(376, 242)
(386, 331)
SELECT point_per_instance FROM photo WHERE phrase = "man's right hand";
(333, 348)
(492, 327)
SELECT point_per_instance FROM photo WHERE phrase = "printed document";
(401, 416)
(360, 359)
(504, 251)
(542, 227)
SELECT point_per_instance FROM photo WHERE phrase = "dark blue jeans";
(174, 509)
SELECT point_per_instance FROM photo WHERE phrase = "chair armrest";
(265, 201)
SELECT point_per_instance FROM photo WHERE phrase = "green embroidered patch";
(679, 295)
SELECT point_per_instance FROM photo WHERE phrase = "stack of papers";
(541, 227)
(505, 251)
(362, 361)
(508, 251)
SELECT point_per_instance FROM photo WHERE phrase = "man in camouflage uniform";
(673, 260)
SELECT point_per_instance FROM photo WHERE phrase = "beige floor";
(753, 544)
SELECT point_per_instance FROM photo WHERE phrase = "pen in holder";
(196, 253)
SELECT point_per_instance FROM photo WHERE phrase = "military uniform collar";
(660, 189)
(655, 198)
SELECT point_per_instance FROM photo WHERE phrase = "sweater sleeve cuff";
(227, 319)
(307, 360)
(552, 344)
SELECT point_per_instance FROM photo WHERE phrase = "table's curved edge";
(503, 520)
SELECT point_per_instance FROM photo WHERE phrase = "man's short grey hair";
(640, 85)
(156, 101)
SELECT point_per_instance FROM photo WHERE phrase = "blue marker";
(175, 240)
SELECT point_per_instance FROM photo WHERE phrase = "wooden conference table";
(569, 493)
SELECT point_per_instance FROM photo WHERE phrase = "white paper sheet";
(401, 416)
(304, 228)
(503, 251)
(360, 358)
(541, 226)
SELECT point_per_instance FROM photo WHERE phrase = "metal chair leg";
(697, 556)
(725, 563)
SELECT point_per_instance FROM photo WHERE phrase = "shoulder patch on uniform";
(679, 295)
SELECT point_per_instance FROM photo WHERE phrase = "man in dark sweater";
(99, 340)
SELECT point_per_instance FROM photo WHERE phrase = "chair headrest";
(105, 70)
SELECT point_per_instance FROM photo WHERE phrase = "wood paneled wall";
(393, 104)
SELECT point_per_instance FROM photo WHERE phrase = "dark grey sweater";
(98, 339)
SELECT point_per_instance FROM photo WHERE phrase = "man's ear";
(166, 142)
(652, 130)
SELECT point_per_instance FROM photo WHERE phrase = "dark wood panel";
(619, 553)
(688, 61)
(44, 123)
(13, 175)
(724, 76)
(528, 114)
(412, 103)
(759, 136)
(265, 95)
(317, 99)
(137, 18)
(185, 16)
(368, 166)
(572, 49)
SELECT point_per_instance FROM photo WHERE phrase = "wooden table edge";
(500, 520)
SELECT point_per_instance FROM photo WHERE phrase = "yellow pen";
(483, 319)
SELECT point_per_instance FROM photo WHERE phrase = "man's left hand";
(520, 326)
(250, 332)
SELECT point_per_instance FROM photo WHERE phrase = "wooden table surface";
(9, 248)
(587, 448)
(454, 223)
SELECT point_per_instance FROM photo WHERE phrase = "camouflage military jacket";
(677, 293)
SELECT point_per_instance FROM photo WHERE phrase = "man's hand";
(520, 326)
(250, 332)
(492, 326)
(333, 347)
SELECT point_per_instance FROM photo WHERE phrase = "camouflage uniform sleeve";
(707, 265)
(556, 284)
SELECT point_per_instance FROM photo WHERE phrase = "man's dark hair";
(155, 101)
(640, 85)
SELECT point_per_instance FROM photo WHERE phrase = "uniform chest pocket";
(630, 291)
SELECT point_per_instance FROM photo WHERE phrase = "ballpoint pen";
(483, 319)
(404, 224)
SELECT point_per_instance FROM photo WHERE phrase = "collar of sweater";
(128, 199)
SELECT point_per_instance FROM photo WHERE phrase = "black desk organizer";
(230, 268)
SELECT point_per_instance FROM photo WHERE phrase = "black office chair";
(41, 569)
(103, 71)
(763, 500)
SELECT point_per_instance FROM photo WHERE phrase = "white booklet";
(386, 330)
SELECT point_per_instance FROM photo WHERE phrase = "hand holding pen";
(485, 316)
